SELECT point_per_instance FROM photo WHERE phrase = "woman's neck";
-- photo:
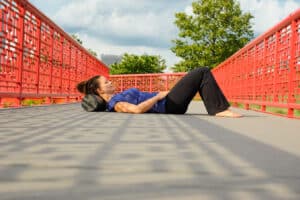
(107, 97)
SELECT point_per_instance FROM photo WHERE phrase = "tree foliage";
(134, 64)
(215, 30)
(76, 38)
(94, 53)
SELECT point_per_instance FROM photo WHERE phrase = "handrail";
(146, 82)
(38, 59)
(266, 72)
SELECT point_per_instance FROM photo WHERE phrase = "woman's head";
(97, 85)
(105, 86)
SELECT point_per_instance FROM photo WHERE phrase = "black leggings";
(198, 80)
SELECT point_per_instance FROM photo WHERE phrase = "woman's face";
(106, 87)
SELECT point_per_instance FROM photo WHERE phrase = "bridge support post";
(247, 106)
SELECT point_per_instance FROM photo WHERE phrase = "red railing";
(266, 72)
(38, 59)
(146, 82)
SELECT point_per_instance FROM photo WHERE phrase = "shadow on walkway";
(62, 152)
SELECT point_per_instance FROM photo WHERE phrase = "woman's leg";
(198, 80)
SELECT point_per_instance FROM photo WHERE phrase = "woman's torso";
(134, 96)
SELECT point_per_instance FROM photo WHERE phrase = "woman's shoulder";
(126, 96)
(126, 92)
(133, 90)
(130, 91)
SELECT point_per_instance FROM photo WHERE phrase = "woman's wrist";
(156, 98)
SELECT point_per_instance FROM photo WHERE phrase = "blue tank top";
(134, 96)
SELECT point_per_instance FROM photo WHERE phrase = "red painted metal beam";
(39, 59)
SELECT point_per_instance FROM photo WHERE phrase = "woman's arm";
(140, 108)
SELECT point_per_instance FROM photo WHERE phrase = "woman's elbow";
(129, 109)
(137, 111)
(132, 110)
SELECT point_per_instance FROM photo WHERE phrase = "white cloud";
(102, 47)
(268, 13)
(189, 10)
(143, 26)
(116, 27)
(108, 20)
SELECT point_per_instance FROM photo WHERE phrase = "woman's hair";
(89, 89)
(89, 86)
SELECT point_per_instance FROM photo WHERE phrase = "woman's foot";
(228, 113)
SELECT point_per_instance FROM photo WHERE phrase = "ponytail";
(89, 87)
(81, 87)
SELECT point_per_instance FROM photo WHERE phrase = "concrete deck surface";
(62, 152)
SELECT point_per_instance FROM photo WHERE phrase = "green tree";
(134, 64)
(215, 30)
(92, 52)
(76, 38)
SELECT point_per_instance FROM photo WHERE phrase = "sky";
(143, 26)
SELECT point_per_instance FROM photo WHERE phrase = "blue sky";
(143, 26)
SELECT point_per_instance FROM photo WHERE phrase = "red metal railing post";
(235, 81)
(292, 70)
(254, 72)
(38, 56)
(51, 63)
(263, 81)
(167, 83)
(69, 69)
(247, 76)
(276, 67)
(76, 65)
(85, 66)
(151, 89)
(122, 84)
(61, 41)
(21, 42)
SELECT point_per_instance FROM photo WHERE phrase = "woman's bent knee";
(200, 71)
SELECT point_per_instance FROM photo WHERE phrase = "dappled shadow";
(207, 115)
(149, 156)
